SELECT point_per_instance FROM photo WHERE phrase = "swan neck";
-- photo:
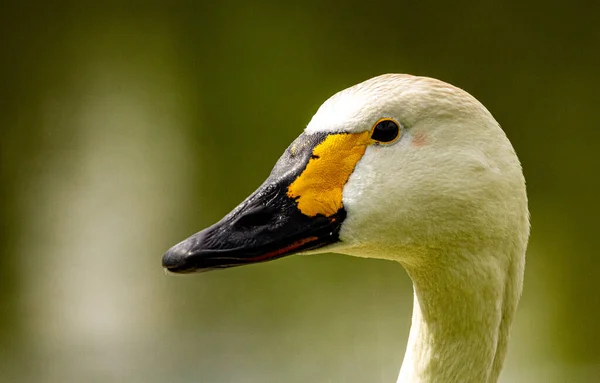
(461, 319)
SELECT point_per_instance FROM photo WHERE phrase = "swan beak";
(252, 233)
(298, 208)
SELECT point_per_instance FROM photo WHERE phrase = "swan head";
(388, 168)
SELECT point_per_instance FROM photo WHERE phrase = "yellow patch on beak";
(319, 188)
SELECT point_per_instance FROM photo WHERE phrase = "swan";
(409, 169)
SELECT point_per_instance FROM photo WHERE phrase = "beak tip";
(174, 257)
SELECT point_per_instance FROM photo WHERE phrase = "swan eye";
(385, 131)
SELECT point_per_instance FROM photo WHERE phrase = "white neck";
(461, 317)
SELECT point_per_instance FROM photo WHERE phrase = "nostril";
(259, 216)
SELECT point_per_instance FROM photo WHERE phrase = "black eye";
(386, 131)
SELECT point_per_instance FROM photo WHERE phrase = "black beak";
(266, 226)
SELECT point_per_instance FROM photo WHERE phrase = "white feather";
(451, 207)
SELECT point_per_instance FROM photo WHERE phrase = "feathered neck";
(461, 316)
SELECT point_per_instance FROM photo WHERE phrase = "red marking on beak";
(283, 250)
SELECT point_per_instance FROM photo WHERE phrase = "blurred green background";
(125, 127)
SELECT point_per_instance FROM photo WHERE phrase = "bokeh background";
(125, 127)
